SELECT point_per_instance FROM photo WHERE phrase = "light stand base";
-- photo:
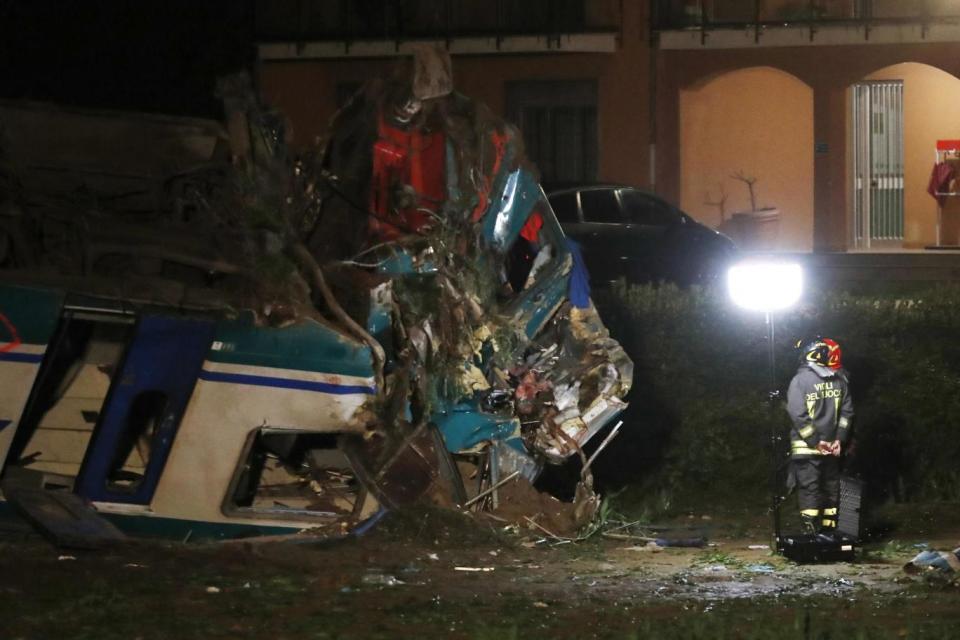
(813, 548)
(836, 547)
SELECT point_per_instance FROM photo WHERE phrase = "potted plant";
(756, 229)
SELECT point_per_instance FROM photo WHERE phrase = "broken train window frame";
(79, 326)
(540, 298)
(230, 508)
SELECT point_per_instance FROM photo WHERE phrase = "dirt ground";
(438, 574)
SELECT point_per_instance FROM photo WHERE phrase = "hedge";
(699, 424)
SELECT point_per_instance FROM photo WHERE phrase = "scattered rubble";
(932, 560)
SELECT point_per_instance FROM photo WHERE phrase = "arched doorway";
(756, 122)
(897, 114)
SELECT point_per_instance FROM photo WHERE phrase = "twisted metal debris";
(417, 233)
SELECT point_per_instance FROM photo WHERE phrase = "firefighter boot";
(828, 525)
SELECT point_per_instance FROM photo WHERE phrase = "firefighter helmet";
(833, 353)
(814, 351)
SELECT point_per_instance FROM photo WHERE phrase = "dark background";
(137, 55)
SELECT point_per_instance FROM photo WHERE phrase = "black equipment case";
(834, 547)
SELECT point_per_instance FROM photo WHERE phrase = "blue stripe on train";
(10, 356)
(285, 383)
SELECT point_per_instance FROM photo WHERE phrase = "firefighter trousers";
(818, 489)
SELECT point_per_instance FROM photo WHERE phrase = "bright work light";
(768, 286)
(765, 285)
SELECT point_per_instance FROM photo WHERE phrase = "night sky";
(140, 54)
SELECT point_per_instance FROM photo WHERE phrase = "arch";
(906, 62)
(698, 82)
(758, 120)
(929, 96)
(836, 66)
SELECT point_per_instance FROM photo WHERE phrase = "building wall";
(929, 114)
(758, 121)
(677, 86)
(829, 71)
(306, 91)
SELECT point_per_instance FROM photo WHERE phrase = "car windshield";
(639, 208)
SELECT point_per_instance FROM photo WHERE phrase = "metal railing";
(400, 20)
(705, 14)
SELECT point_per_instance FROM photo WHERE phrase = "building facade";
(832, 108)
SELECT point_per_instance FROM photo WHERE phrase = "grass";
(98, 597)
(891, 551)
(713, 557)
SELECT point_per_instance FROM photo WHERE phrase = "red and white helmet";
(833, 353)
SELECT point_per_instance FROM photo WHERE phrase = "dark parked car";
(627, 233)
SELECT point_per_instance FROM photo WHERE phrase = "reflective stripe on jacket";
(820, 409)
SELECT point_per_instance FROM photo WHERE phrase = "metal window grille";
(559, 124)
(878, 163)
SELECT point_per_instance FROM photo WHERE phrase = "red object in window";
(531, 229)
(940, 180)
(401, 158)
(948, 145)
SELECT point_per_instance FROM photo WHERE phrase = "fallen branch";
(623, 536)
(493, 517)
(544, 529)
(660, 542)
(487, 492)
(319, 282)
(625, 525)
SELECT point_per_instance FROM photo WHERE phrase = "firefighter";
(821, 411)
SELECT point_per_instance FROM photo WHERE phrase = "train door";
(147, 399)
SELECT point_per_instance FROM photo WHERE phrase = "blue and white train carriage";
(192, 419)
(168, 422)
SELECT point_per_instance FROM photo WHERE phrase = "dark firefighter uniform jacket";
(820, 408)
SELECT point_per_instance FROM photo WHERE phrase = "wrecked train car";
(321, 340)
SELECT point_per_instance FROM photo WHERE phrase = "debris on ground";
(760, 568)
(323, 584)
(381, 579)
(650, 535)
(931, 560)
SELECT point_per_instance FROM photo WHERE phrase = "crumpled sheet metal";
(509, 212)
(487, 353)
(465, 428)
(442, 274)
(582, 378)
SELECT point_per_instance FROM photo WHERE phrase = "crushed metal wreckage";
(285, 344)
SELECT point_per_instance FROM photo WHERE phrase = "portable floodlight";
(765, 285)
(768, 286)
